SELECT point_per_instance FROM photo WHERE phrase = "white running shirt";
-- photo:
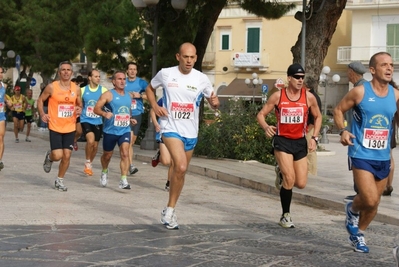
(182, 94)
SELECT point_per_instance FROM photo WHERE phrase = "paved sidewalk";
(326, 190)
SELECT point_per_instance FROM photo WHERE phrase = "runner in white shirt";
(183, 89)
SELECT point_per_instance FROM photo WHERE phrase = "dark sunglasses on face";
(299, 77)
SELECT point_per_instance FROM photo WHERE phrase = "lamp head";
(326, 70)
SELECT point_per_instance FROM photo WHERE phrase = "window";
(253, 40)
(225, 39)
(393, 41)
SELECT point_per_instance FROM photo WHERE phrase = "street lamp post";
(326, 82)
(151, 11)
(254, 83)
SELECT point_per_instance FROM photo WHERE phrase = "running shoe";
(1, 166)
(59, 184)
(155, 159)
(359, 243)
(351, 221)
(286, 221)
(279, 178)
(47, 162)
(16, 140)
(104, 179)
(88, 169)
(75, 146)
(349, 198)
(133, 169)
(169, 218)
(396, 255)
(27, 139)
(123, 184)
(167, 186)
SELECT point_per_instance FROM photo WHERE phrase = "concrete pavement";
(221, 224)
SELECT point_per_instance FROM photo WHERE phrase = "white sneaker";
(104, 179)
(59, 184)
(169, 218)
(396, 255)
(286, 221)
(123, 184)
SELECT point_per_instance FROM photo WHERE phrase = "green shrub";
(236, 134)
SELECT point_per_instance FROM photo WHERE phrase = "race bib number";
(375, 139)
(65, 111)
(122, 120)
(90, 112)
(1, 107)
(134, 104)
(18, 106)
(292, 115)
(28, 107)
(182, 111)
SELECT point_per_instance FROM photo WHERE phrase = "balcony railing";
(371, 2)
(347, 54)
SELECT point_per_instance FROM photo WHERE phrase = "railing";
(371, 2)
(346, 54)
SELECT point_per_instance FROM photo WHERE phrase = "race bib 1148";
(292, 115)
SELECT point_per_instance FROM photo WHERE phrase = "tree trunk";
(320, 28)
(212, 10)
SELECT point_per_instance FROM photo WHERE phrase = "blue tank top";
(137, 86)
(372, 125)
(2, 102)
(119, 124)
(89, 99)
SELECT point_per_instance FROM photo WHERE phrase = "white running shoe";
(59, 184)
(104, 179)
(286, 221)
(396, 255)
(123, 184)
(169, 218)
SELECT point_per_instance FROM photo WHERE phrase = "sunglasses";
(298, 77)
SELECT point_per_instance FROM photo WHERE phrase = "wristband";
(342, 130)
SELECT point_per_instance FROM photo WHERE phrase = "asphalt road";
(220, 224)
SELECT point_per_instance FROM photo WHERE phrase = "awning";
(238, 88)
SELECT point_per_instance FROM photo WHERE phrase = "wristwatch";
(316, 139)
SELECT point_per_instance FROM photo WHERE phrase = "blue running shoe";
(352, 220)
(359, 243)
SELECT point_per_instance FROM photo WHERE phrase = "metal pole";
(303, 39)
(148, 141)
(253, 97)
(325, 98)
(155, 44)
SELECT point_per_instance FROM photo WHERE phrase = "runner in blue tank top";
(4, 101)
(368, 141)
(114, 106)
(91, 123)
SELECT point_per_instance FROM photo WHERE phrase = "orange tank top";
(292, 116)
(61, 109)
